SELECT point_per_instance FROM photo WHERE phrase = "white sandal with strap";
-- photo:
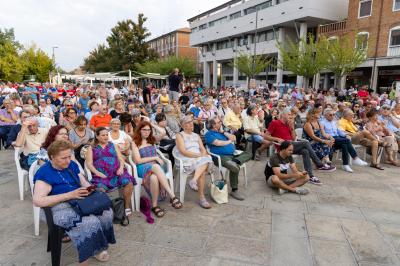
(102, 256)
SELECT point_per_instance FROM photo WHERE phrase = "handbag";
(118, 206)
(95, 203)
(219, 191)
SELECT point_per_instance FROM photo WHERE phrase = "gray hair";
(212, 122)
(168, 109)
(327, 111)
(186, 119)
(115, 120)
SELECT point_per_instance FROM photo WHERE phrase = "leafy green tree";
(167, 65)
(342, 56)
(11, 67)
(36, 62)
(304, 58)
(125, 46)
(250, 65)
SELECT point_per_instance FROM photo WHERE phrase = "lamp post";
(53, 58)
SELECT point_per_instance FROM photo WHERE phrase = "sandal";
(376, 166)
(128, 212)
(102, 256)
(176, 203)
(158, 211)
(394, 163)
(193, 185)
(204, 204)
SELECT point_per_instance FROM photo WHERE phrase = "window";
(202, 27)
(266, 36)
(365, 9)
(224, 45)
(257, 7)
(395, 37)
(243, 40)
(216, 22)
(235, 15)
(362, 40)
(396, 5)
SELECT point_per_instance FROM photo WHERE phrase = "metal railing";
(332, 27)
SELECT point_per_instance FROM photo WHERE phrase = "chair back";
(299, 133)
(32, 171)
(88, 173)
(133, 165)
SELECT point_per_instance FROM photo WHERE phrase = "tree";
(36, 62)
(10, 64)
(305, 58)
(251, 65)
(343, 56)
(167, 65)
(125, 47)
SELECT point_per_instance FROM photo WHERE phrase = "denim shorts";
(256, 138)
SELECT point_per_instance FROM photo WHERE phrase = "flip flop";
(204, 204)
(193, 185)
(102, 256)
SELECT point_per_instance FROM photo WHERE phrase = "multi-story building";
(377, 23)
(254, 27)
(174, 43)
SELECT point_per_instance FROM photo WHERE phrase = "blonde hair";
(58, 146)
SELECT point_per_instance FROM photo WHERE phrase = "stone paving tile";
(288, 250)
(225, 262)
(201, 223)
(367, 243)
(178, 238)
(376, 198)
(332, 210)
(381, 216)
(329, 253)
(392, 232)
(242, 228)
(288, 225)
(283, 205)
(324, 227)
(167, 257)
(233, 248)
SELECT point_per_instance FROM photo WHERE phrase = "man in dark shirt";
(174, 81)
(147, 93)
(278, 176)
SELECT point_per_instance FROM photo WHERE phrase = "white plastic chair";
(128, 168)
(138, 187)
(21, 173)
(36, 210)
(299, 134)
(225, 171)
(181, 175)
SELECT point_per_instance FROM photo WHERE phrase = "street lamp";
(53, 58)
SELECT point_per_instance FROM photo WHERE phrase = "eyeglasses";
(386, 108)
(146, 129)
(356, 106)
(83, 125)
(71, 112)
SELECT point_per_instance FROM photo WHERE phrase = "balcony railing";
(332, 27)
(394, 51)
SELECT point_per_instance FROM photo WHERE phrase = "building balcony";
(394, 51)
(332, 28)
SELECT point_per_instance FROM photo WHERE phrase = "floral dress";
(321, 149)
(105, 160)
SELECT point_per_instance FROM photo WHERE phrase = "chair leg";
(56, 237)
(182, 187)
(137, 197)
(245, 175)
(36, 222)
(21, 185)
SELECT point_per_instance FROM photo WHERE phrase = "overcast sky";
(77, 26)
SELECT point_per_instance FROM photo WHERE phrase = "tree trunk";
(306, 82)
(343, 82)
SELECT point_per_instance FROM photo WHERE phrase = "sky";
(77, 26)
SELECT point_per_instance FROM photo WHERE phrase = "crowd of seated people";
(99, 128)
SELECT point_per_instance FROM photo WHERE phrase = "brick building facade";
(377, 22)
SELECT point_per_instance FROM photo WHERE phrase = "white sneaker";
(359, 162)
(282, 191)
(347, 168)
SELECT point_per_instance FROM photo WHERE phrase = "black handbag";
(95, 203)
(118, 206)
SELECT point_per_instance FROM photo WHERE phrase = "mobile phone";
(91, 188)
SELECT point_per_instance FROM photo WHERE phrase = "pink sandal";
(204, 204)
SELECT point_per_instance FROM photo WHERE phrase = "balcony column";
(303, 34)
(215, 66)
(279, 71)
(235, 70)
(206, 74)
(273, 2)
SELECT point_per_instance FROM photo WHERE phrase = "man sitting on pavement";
(223, 144)
(283, 129)
(278, 176)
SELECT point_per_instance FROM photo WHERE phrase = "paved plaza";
(353, 219)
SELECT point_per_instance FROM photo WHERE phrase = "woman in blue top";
(55, 185)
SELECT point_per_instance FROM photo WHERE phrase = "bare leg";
(292, 187)
(162, 179)
(127, 191)
(374, 151)
(201, 182)
(154, 190)
(85, 263)
(199, 171)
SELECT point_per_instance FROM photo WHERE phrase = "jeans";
(344, 144)
(173, 96)
(4, 130)
(304, 149)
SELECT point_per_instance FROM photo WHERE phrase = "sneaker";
(233, 166)
(315, 180)
(302, 191)
(282, 191)
(236, 195)
(347, 168)
(327, 168)
(256, 157)
(359, 162)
